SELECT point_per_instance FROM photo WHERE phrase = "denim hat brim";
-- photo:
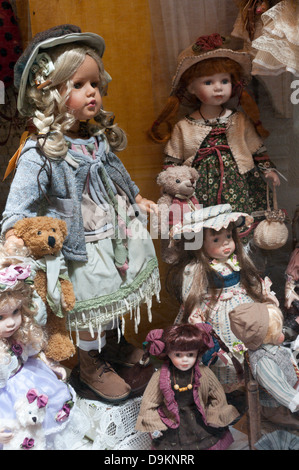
(21, 76)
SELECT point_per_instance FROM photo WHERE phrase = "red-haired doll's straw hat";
(210, 47)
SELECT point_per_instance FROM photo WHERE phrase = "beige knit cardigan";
(188, 135)
(211, 395)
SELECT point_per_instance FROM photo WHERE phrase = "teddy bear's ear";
(194, 173)
(161, 178)
(62, 227)
(21, 227)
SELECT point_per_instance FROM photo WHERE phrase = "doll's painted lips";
(92, 103)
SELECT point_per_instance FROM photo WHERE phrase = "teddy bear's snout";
(34, 419)
(51, 241)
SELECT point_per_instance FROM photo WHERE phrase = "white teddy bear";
(26, 432)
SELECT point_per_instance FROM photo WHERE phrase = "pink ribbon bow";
(32, 395)
(206, 328)
(156, 344)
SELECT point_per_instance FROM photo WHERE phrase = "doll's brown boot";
(101, 378)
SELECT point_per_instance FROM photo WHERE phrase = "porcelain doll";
(184, 406)
(67, 169)
(260, 327)
(38, 409)
(224, 145)
(213, 277)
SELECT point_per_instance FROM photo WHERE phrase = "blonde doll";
(260, 327)
(213, 276)
(184, 406)
(67, 169)
(224, 145)
(25, 374)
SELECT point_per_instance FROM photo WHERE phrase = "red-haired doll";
(225, 146)
(184, 405)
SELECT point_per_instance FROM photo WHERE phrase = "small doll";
(184, 406)
(224, 145)
(213, 276)
(259, 326)
(29, 383)
(67, 169)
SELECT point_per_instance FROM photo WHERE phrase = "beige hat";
(250, 322)
(208, 47)
(214, 217)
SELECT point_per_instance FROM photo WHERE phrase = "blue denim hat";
(44, 40)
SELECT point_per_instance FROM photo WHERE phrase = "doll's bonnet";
(250, 322)
(33, 56)
(214, 217)
(208, 47)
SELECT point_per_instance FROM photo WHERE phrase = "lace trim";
(94, 314)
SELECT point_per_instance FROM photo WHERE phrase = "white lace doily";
(113, 426)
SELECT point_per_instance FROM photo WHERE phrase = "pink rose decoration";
(9, 276)
(64, 413)
(208, 43)
(28, 443)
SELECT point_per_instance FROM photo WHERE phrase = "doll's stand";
(253, 405)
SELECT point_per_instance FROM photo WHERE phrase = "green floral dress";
(219, 179)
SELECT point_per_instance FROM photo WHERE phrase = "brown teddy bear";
(177, 186)
(44, 237)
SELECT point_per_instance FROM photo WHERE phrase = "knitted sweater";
(188, 135)
(54, 187)
(217, 412)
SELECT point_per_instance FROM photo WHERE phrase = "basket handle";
(275, 205)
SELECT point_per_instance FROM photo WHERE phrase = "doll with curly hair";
(24, 370)
(223, 144)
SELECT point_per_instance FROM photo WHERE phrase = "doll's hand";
(12, 242)
(54, 366)
(5, 435)
(147, 205)
(273, 176)
(290, 294)
(156, 434)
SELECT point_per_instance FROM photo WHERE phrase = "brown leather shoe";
(101, 378)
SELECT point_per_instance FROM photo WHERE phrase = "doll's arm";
(54, 366)
(148, 419)
(5, 436)
(270, 376)
(146, 204)
(292, 276)
(289, 292)
(218, 412)
(26, 192)
(266, 286)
